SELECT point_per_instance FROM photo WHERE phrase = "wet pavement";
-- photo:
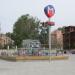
(56, 67)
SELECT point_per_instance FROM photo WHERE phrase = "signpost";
(49, 12)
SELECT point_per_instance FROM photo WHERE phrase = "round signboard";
(49, 11)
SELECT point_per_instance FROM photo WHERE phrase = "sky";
(11, 10)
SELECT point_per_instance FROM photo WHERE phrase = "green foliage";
(43, 36)
(62, 29)
(26, 27)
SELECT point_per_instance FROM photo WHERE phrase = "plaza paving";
(57, 67)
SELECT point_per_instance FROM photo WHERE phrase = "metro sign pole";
(49, 40)
(49, 12)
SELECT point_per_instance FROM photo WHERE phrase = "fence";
(31, 52)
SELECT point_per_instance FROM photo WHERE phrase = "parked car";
(73, 51)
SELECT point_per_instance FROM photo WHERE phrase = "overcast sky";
(11, 10)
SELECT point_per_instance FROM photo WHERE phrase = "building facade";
(69, 38)
(57, 39)
(4, 40)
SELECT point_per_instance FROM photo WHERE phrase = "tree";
(9, 35)
(43, 36)
(26, 27)
(62, 28)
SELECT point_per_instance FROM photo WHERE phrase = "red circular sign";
(49, 11)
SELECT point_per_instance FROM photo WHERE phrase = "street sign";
(49, 11)
(50, 23)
